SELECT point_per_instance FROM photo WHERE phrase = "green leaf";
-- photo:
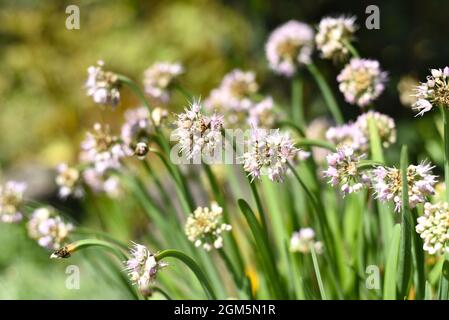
(392, 264)
(405, 263)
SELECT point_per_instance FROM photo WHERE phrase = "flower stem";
(189, 262)
(444, 281)
(351, 49)
(297, 102)
(68, 250)
(316, 267)
(327, 93)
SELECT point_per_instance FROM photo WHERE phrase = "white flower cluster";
(361, 81)
(204, 228)
(387, 183)
(234, 98)
(197, 133)
(102, 86)
(68, 180)
(158, 77)
(48, 229)
(304, 240)
(433, 227)
(268, 153)
(433, 92)
(332, 35)
(343, 170)
(289, 46)
(11, 201)
(142, 268)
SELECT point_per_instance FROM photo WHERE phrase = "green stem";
(136, 89)
(315, 143)
(444, 281)
(259, 205)
(327, 93)
(68, 250)
(351, 49)
(297, 102)
(100, 234)
(162, 292)
(404, 263)
(316, 267)
(189, 262)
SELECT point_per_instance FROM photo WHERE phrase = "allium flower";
(68, 180)
(348, 135)
(158, 77)
(102, 86)
(204, 228)
(343, 170)
(289, 46)
(332, 35)
(137, 126)
(11, 201)
(304, 240)
(261, 115)
(142, 268)
(198, 133)
(48, 229)
(433, 92)
(268, 154)
(362, 81)
(102, 149)
(108, 184)
(433, 227)
(385, 127)
(388, 184)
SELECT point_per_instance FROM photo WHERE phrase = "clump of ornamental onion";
(289, 47)
(204, 227)
(159, 77)
(48, 228)
(387, 183)
(332, 36)
(268, 153)
(142, 268)
(103, 86)
(433, 227)
(11, 201)
(434, 92)
(361, 81)
(343, 170)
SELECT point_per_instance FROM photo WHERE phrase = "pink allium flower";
(433, 92)
(11, 201)
(158, 77)
(102, 86)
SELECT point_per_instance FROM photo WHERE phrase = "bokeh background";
(44, 111)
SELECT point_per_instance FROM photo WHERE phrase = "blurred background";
(44, 111)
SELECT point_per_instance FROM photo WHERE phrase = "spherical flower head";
(433, 92)
(102, 149)
(433, 227)
(349, 135)
(11, 201)
(142, 268)
(204, 228)
(268, 153)
(332, 35)
(137, 127)
(68, 179)
(361, 81)
(102, 86)
(388, 184)
(386, 127)
(304, 240)
(198, 133)
(159, 77)
(289, 46)
(343, 170)
(48, 228)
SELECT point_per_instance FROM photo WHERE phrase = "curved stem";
(351, 49)
(327, 93)
(162, 292)
(68, 250)
(189, 262)
(136, 89)
(316, 143)
(100, 234)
